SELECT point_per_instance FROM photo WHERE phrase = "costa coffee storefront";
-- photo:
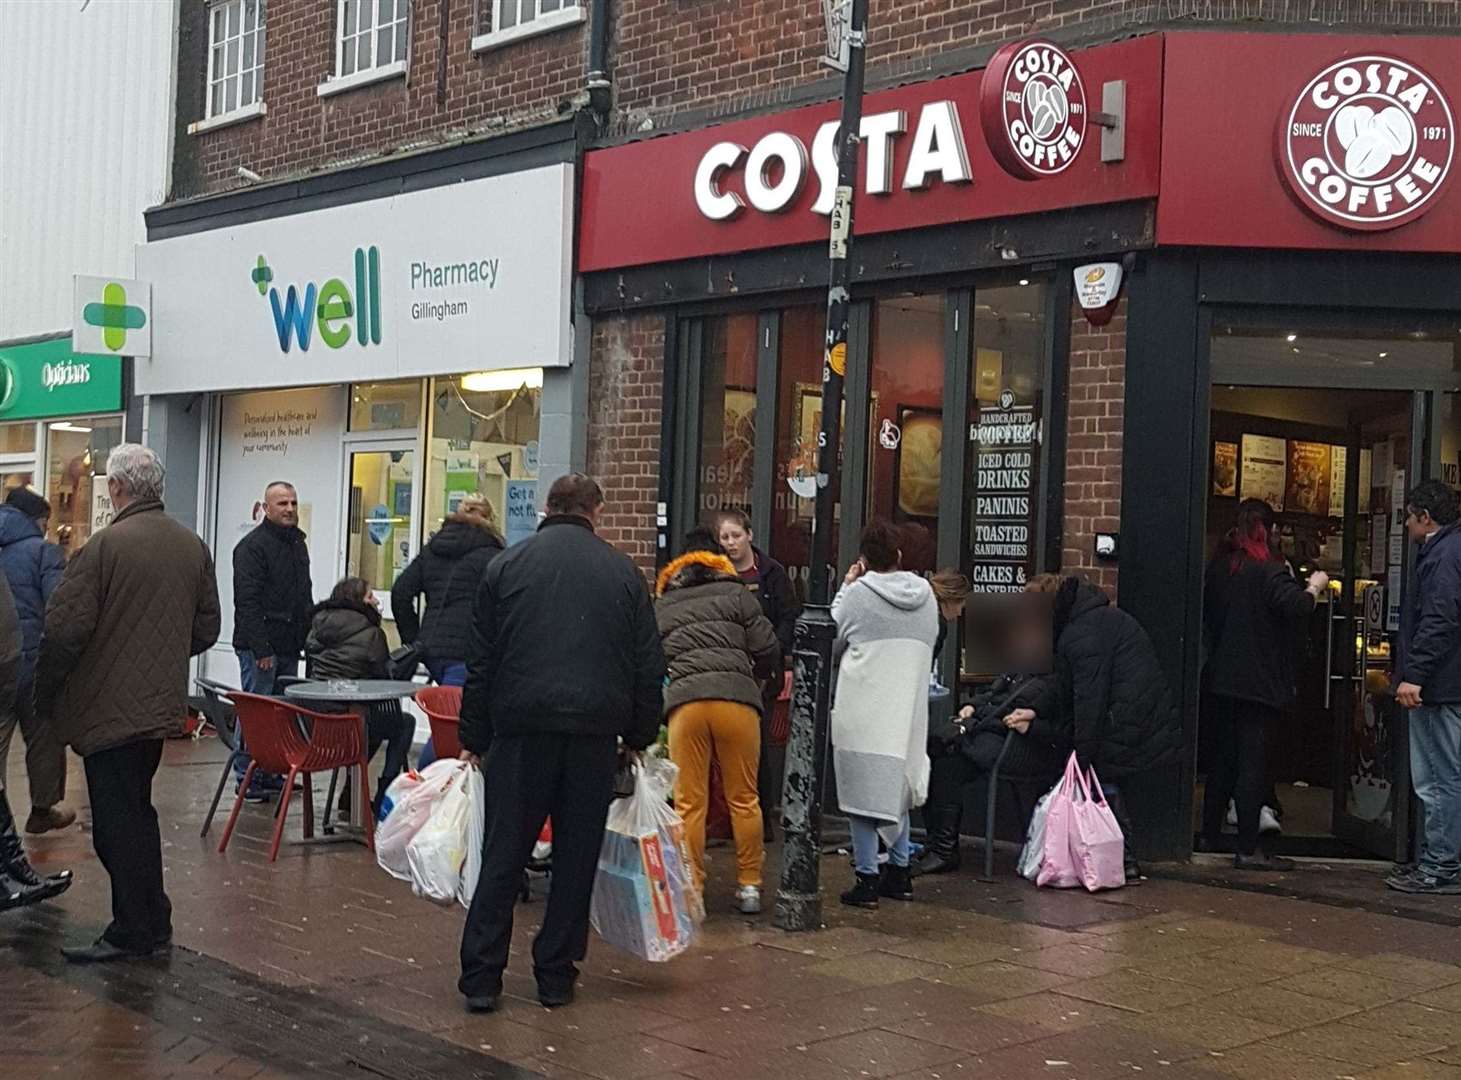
(1263, 228)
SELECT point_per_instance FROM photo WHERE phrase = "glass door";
(381, 516)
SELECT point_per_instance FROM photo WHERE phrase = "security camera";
(249, 175)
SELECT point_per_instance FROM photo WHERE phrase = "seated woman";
(346, 642)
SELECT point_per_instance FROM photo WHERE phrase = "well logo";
(114, 316)
(328, 308)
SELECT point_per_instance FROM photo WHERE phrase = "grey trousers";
(45, 757)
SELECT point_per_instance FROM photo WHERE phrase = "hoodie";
(33, 569)
(462, 540)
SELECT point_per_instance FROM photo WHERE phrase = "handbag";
(403, 662)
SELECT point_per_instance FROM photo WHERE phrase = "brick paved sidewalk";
(322, 965)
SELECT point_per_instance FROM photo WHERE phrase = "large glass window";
(798, 422)
(385, 406)
(76, 461)
(484, 439)
(18, 438)
(727, 416)
(371, 34)
(235, 55)
(378, 546)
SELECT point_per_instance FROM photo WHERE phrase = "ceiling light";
(66, 425)
(485, 382)
(1383, 355)
(1024, 281)
(1292, 338)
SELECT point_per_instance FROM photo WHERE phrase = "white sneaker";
(1232, 814)
(748, 900)
(1268, 821)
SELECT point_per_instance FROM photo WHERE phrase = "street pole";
(799, 900)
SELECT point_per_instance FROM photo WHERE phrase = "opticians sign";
(1368, 143)
(45, 378)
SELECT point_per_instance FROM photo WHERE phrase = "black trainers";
(1428, 883)
(864, 894)
(896, 883)
(1261, 860)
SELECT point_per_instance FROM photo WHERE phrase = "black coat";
(1430, 623)
(777, 598)
(1109, 700)
(564, 641)
(346, 642)
(1036, 755)
(1252, 616)
(272, 593)
(445, 632)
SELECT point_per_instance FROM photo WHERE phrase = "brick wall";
(1093, 442)
(525, 83)
(626, 381)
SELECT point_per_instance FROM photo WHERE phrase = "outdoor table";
(350, 692)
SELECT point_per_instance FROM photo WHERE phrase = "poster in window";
(1225, 469)
(801, 470)
(1307, 488)
(738, 450)
(1338, 478)
(1367, 478)
(916, 464)
(1265, 461)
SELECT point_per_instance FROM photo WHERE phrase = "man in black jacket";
(1429, 676)
(565, 661)
(272, 599)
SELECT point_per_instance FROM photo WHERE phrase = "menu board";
(1006, 439)
(1265, 461)
(1306, 490)
(1225, 469)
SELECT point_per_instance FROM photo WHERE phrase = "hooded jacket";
(33, 569)
(1430, 623)
(716, 639)
(774, 591)
(444, 632)
(346, 642)
(272, 591)
(1251, 615)
(886, 627)
(1109, 700)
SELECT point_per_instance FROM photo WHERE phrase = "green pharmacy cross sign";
(45, 378)
(112, 316)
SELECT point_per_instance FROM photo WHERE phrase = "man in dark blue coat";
(1429, 685)
(33, 569)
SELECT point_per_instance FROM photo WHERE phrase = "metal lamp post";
(798, 901)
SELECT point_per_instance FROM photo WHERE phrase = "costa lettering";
(1032, 106)
(1368, 143)
(774, 172)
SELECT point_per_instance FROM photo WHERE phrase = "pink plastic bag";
(1083, 843)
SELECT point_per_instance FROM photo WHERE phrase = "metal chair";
(221, 715)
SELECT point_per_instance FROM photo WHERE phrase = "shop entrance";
(1331, 429)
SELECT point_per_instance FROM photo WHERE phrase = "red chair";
(443, 708)
(276, 744)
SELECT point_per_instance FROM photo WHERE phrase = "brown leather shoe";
(49, 819)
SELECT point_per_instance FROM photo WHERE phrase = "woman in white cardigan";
(887, 623)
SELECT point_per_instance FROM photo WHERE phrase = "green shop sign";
(45, 378)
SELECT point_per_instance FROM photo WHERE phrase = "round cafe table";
(348, 692)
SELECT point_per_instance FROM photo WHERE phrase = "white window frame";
(218, 15)
(376, 71)
(566, 13)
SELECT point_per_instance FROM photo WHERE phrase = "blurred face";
(281, 506)
(736, 541)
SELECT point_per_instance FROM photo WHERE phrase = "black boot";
(896, 883)
(19, 883)
(864, 894)
(942, 854)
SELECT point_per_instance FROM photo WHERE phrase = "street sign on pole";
(837, 15)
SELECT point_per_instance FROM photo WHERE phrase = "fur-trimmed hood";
(695, 568)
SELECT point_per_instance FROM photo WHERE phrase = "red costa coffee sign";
(1368, 144)
(1032, 106)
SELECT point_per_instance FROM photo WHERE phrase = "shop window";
(484, 439)
(371, 34)
(9, 481)
(235, 56)
(18, 438)
(385, 406)
(727, 416)
(378, 546)
(76, 461)
(906, 410)
(798, 423)
(1006, 435)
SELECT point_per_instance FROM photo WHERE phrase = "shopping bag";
(408, 803)
(645, 900)
(1097, 844)
(475, 788)
(1032, 855)
(1058, 866)
(438, 851)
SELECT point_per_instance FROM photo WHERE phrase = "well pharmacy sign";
(112, 316)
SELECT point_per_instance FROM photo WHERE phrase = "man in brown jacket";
(135, 604)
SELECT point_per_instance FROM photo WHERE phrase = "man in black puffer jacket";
(1109, 700)
(469, 538)
(565, 661)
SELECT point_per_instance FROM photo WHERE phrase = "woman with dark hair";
(346, 642)
(1251, 605)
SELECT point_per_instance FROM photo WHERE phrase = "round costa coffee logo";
(1368, 143)
(1032, 106)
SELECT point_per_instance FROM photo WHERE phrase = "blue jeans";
(1435, 771)
(443, 673)
(253, 680)
(865, 844)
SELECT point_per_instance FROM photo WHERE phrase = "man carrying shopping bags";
(565, 661)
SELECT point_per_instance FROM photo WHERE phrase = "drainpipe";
(600, 89)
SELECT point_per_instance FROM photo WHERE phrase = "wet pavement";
(321, 965)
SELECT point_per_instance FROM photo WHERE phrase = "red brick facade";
(1093, 443)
